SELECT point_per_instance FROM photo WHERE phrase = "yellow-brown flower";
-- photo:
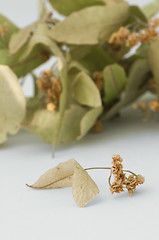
(116, 187)
(131, 184)
(44, 82)
(120, 36)
(132, 40)
(140, 179)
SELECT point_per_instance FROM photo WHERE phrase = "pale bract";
(12, 103)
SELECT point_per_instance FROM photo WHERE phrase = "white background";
(27, 214)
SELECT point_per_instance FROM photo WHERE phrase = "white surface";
(27, 214)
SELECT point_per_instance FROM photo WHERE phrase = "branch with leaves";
(94, 76)
(84, 189)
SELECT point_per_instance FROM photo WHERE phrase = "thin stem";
(110, 178)
(130, 172)
(139, 21)
(108, 168)
(98, 168)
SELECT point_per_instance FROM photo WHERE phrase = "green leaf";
(89, 120)
(91, 25)
(43, 124)
(114, 82)
(42, 9)
(96, 59)
(112, 1)
(12, 28)
(22, 67)
(136, 13)
(85, 92)
(72, 5)
(12, 102)
(153, 58)
(20, 38)
(136, 86)
(151, 9)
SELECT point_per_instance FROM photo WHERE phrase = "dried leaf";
(136, 86)
(22, 67)
(96, 59)
(72, 5)
(12, 28)
(114, 82)
(12, 103)
(89, 120)
(58, 177)
(19, 38)
(151, 9)
(153, 58)
(85, 92)
(69, 174)
(112, 1)
(43, 123)
(98, 22)
(136, 13)
(84, 188)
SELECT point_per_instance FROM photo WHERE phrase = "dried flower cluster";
(51, 86)
(131, 39)
(147, 108)
(120, 179)
(3, 29)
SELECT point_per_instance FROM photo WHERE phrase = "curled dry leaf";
(58, 177)
(11, 95)
(69, 174)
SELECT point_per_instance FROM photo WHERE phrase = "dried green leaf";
(91, 25)
(43, 124)
(153, 58)
(84, 188)
(135, 87)
(112, 1)
(19, 38)
(114, 82)
(12, 102)
(71, 6)
(12, 28)
(22, 67)
(151, 9)
(85, 92)
(89, 120)
(58, 177)
(136, 14)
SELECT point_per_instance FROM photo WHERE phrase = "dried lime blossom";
(131, 39)
(120, 179)
(52, 87)
(120, 36)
